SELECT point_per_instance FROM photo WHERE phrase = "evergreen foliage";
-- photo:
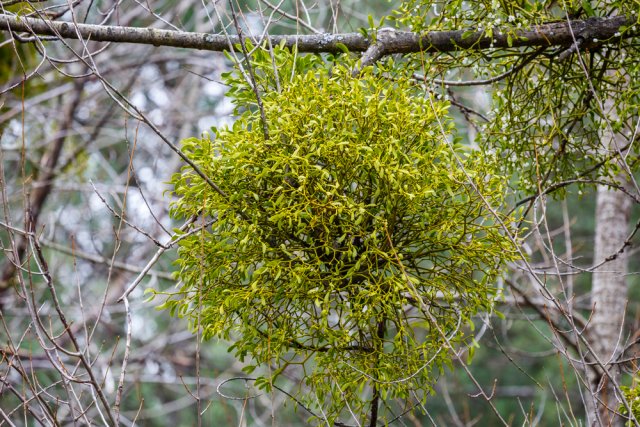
(632, 395)
(549, 106)
(355, 238)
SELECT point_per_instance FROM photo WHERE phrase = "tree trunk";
(608, 297)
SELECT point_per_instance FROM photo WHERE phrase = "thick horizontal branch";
(592, 30)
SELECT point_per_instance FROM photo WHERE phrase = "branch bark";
(588, 32)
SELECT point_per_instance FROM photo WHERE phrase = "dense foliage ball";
(354, 239)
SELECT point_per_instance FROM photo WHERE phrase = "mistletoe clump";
(352, 238)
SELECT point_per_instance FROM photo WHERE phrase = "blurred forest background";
(86, 172)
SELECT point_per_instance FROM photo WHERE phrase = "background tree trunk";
(608, 295)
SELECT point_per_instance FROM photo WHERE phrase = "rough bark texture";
(608, 297)
(585, 32)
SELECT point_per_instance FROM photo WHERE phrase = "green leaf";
(586, 5)
(342, 47)
(249, 369)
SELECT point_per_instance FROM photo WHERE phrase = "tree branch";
(587, 32)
